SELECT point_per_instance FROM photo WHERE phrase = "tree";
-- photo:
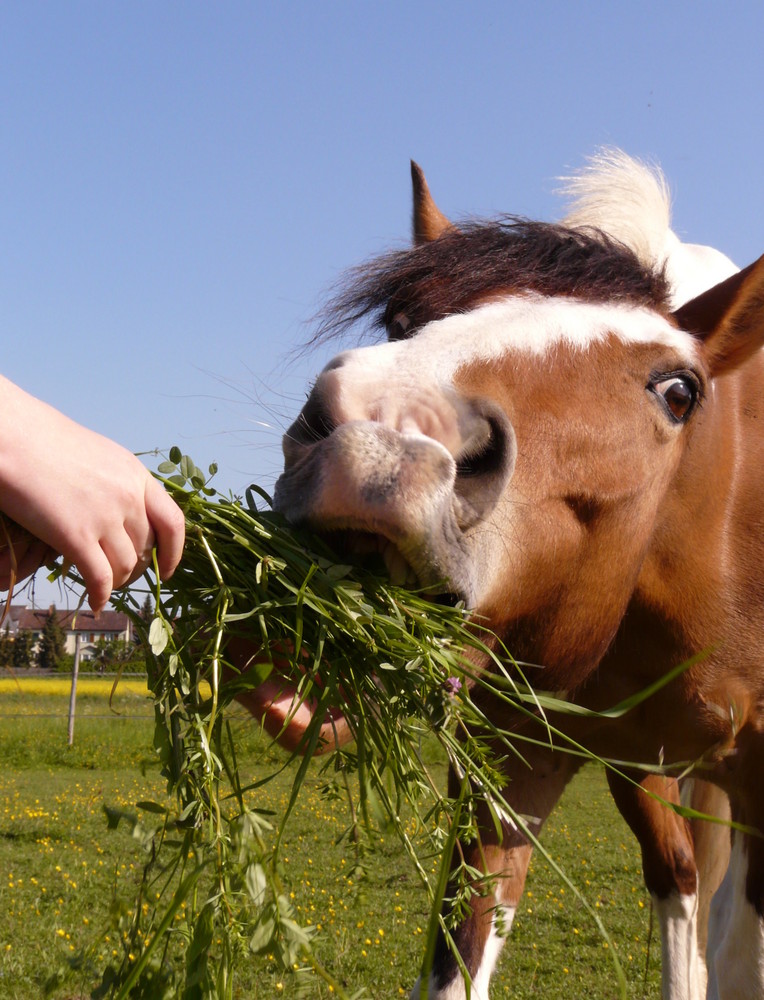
(111, 653)
(22, 650)
(139, 635)
(52, 642)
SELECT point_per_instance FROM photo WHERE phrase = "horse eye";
(398, 326)
(679, 393)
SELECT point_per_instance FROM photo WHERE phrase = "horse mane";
(476, 259)
(624, 197)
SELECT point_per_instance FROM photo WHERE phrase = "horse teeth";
(397, 567)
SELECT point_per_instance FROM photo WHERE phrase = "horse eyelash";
(661, 376)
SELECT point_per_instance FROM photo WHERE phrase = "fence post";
(73, 695)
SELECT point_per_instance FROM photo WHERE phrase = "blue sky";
(180, 183)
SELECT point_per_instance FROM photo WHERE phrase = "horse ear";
(428, 222)
(728, 318)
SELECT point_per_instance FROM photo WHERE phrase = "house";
(107, 625)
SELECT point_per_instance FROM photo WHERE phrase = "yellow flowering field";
(88, 686)
(57, 686)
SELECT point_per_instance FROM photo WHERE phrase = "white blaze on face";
(531, 324)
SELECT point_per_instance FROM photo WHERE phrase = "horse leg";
(712, 845)
(670, 875)
(736, 923)
(532, 792)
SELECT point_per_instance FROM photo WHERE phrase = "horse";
(564, 428)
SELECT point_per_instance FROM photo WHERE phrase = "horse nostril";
(314, 422)
(485, 464)
(485, 454)
(489, 450)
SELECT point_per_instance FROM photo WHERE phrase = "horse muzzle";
(369, 479)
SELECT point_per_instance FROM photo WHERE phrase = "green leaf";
(159, 636)
(264, 931)
(256, 883)
(254, 488)
(143, 834)
(116, 816)
(197, 957)
(152, 807)
(175, 455)
(187, 467)
(337, 572)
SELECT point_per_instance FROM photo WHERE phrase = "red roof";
(84, 620)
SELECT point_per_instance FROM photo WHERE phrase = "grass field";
(63, 875)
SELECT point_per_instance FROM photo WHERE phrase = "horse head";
(513, 441)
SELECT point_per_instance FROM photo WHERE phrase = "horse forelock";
(478, 260)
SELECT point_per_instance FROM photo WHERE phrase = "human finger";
(169, 527)
(143, 559)
(127, 554)
(96, 572)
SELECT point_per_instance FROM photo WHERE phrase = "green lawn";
(61, 870)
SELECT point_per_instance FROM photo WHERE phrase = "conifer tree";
(6, 647)
(52, 642)
(22, 650)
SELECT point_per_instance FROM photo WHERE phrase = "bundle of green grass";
(257, 602)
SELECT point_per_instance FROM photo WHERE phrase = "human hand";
(21, 554)
(82, 496)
